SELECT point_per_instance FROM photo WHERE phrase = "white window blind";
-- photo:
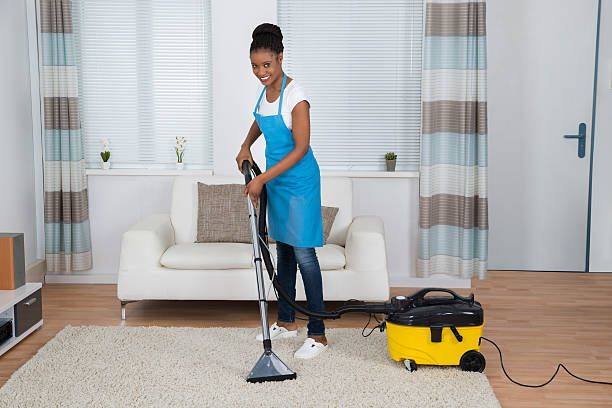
(360, 62)
(145, 78)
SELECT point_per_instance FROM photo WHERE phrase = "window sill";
(371, 174)
(196, 172)
(147, 172)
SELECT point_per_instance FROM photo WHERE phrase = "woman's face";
(267, 66)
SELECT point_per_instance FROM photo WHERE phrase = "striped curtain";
(67, 236)
(453, 221)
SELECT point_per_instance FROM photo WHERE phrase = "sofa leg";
(123, 304)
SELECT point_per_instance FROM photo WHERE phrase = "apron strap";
(280, 101)
(259, 100)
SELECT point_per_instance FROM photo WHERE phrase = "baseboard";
(35, 272)
(103, 279)
(434, 281)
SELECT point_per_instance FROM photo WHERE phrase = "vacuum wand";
(269, 367)
(260, 283)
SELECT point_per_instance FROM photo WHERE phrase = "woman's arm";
(300, 118)
(254, 133)
(245, 148)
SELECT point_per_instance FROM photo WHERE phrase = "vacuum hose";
(355, 307)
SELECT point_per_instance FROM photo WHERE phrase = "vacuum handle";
(248, 169)
(420, 295)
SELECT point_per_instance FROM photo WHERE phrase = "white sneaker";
(310, 349)
(277, 332)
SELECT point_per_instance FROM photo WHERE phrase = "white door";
(541, 72)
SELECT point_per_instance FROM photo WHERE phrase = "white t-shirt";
(294, 94)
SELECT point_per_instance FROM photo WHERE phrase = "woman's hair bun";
(267, 36)
(268, 28)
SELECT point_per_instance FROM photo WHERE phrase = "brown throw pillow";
(223, 215)
(329, 215)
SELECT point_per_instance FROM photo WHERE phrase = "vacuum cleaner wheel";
(410, 365)
(472, 361)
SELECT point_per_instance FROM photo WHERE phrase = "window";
(360, 62)
(145, 78)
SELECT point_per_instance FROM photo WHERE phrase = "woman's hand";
(244, 154)
(253, 189)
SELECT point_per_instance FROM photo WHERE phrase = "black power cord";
(379, 326)
(559, 367)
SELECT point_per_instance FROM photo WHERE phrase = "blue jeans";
(288, 257)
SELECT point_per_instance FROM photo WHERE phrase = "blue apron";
(294, 197)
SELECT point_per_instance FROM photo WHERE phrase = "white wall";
(116, 202)
(601, 226)
(17, 186)
(235, 89)
(505, 36)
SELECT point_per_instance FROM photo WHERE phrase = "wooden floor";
(537, 318)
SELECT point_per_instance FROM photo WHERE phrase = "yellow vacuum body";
(437, 331)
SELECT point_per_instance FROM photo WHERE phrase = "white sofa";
(159, 259)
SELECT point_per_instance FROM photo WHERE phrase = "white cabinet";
(23, 306)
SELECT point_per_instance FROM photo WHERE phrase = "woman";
(293, 183)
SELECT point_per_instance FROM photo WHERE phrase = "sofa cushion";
(227, 255)
(209, 255)
(223, 215)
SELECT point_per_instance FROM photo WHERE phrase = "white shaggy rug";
(193, 367)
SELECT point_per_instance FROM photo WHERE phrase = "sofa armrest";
(365, 245)
(145, 242)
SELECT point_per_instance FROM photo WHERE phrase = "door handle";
(581, 136)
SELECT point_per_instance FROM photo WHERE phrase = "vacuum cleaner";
(421, 329)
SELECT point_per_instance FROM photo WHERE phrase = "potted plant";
(390, 159)
(179, 148)
(105, 154)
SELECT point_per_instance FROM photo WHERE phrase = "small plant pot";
(180, 166)
(390, 165)
(106, 165)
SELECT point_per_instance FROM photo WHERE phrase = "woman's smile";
(265, 78)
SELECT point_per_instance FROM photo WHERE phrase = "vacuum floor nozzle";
(270, 368)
